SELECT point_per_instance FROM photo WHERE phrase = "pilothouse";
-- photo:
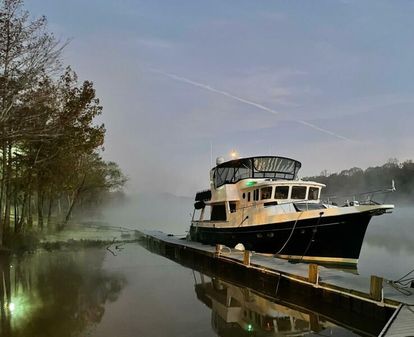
(259, 202)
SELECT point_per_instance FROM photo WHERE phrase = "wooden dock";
(401, 323)
(368, 297)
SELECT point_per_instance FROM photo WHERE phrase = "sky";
(329, 83)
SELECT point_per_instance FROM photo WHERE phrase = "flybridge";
(270, 167)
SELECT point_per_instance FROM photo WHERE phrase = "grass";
(30, 241)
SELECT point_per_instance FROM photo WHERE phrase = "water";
(90, 292)
(388, 248)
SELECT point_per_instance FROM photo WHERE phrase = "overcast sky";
(329, 83)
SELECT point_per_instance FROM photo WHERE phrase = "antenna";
(211, 154)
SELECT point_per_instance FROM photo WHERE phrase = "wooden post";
(376, 288)
(314, 322)
(313, 273)
(246, 258)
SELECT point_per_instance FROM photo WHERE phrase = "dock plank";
(403, 323)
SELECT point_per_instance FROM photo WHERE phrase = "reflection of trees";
(5, 294)
(55, 294)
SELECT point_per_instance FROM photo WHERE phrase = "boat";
(259, 204)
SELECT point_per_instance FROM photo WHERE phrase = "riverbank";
(75, 236)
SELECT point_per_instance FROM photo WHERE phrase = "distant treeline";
(356, 180)
(50, 146)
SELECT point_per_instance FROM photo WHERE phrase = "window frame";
(309, 192)
(270, 194)
(298, 187)
(288, 192)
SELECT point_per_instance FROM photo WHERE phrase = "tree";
(27, 51)
(49, 143)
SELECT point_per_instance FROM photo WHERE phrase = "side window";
(207, 213)
(281, 192)
(248, 196)
(265, 193)
(313, 193)
(232, 206)
(256, 195)
(298, 192)
(244, 195)
(218, 212)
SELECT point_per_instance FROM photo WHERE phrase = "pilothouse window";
(266, 193)
(281, 192)
(298, 192)
(313, 193)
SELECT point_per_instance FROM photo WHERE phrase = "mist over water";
(388, 248)
(164, 212)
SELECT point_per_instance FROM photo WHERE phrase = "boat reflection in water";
(238, 311)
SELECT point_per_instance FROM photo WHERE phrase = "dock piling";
(376, 288)
(246, 258)
(313, 273)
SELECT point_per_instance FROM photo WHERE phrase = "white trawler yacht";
(260, 202)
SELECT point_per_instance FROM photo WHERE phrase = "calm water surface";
(90, 292)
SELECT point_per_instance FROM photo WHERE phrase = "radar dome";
(219, 160)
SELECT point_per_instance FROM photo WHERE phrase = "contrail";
(243, 100)
(217, 91)
(313, 126)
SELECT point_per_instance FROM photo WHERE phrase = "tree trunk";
(59, 206)
(40, 196)
(49, 213)
(5, 102)
(8, 188)
(19, 223)
(16, 214)
(76, 195)
(29, 210)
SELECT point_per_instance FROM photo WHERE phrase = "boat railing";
(353, 199)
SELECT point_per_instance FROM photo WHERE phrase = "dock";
(372, 305)
(401, 323)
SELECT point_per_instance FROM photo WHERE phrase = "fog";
(394, 232)
(164, 212)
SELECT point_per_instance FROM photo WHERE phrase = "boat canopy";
(270, 167)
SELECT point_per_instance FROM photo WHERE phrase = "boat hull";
(335, 239)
